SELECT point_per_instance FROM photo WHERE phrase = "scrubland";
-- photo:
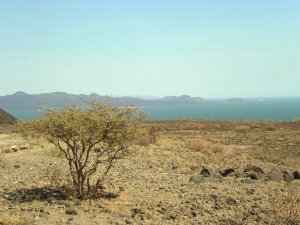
(176, 172)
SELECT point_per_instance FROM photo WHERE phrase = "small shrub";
(201, 145)
(153, 134)
(143, 141)
(2, 155)
(147, 136)
(287, 208)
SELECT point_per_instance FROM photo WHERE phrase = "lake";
(274, 109)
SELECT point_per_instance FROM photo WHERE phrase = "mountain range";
(21, 100)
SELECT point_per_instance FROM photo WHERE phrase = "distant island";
(21, 100)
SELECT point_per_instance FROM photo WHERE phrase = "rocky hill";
(6, 118)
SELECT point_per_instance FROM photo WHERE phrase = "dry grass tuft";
(59, 181)
(56, 153)
(198, 144)
(270, 128)
(143, 141)
(242, 129)
(295, 140)
(256, 153)
(2, 155)
(13, 220)
(147, 135)
(287, 208)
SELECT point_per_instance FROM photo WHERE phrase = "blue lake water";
(285, 109)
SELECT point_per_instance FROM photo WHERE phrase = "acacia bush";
(91, 140)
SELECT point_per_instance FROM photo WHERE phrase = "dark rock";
(71, 211)
(136, 211)
(194, 214)
(111, 195)
(296, 174)
(226, 172)
(17, 166)
(231, 201)
(171, 217)
(253, 175)
(207, 172)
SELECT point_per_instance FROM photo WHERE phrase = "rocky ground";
(204, 172)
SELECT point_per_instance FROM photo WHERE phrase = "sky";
(206, 48)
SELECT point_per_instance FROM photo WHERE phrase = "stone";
(16, 166)
(226, 172)
(231, 201)
(253, 175)
(14, 148)
(71, 211)
(207, 172)
(25, 146)
(296, 175)
(136, 210)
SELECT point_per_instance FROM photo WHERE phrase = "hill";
(6, 118)
(22, 100)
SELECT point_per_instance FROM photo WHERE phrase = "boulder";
(14, 148)
(207, 171)
(25, 146)
(253, 175)
(231, 201)
(71, 211)
(226, 172)
(296, 175)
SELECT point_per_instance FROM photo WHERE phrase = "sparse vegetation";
(147, 135)
(198, 144)
(231, 177)
(12, 220)
(287, 208)
(92, 140)
(2, 155)
(242, 129)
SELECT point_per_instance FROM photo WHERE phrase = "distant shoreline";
(268, 110)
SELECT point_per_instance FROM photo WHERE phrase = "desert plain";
(183, 172)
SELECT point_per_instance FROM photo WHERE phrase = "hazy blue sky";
(208, 48)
